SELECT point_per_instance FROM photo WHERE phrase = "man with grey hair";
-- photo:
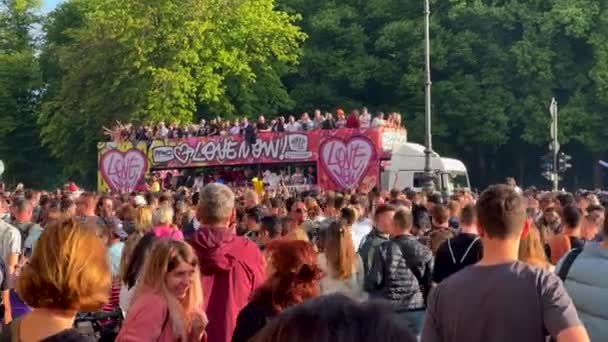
(231, 266)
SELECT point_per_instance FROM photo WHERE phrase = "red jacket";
(352, 121)
(232, 267)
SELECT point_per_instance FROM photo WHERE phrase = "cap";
(116, 226)
(72, 187)
(139, 201)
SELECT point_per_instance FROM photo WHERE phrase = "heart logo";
(123, 171)
(183, 153)
(347, 162)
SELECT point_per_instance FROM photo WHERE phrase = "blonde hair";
(143, 220)
(163, 215)
(216, 204)
(165, 256)
(532, 251)
(339, 249)
(69, 270)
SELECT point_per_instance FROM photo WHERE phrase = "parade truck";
(340, 159)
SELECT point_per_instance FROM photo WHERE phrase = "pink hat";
(72, 187)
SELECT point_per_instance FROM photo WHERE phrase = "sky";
(48, 5)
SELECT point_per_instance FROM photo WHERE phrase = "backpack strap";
(469, 249)
(465, 253)
(451, 251)
(567, 264)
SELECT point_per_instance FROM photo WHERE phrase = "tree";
(166, 60)
(495, 66)
(20, 146)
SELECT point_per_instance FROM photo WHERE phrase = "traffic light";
(563, 162)
(547, 163)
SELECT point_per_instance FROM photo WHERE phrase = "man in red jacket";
(232, 267)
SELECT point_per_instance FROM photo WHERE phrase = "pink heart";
(347, 162)
(123, 171)
(183, 153)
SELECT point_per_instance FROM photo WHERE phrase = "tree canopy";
(495, 66)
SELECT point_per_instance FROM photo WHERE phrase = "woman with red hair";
(293, 277)
(353, 120)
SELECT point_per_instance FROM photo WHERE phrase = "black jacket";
(251, 320)
(401, 272)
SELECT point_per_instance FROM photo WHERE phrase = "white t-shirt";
(365, 120)
(234, 130)
(163, 132)
(377, 122)
(293, 127)
(360, 230)
(198, 185)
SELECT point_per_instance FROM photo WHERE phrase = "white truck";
(405, 169)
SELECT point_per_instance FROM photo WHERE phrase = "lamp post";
(554, 143)
(429, 185)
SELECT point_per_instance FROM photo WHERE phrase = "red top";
(232, 267)
(352, 121)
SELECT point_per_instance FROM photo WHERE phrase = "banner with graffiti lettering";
(231, 150)
(121, 167)
(346, 158)
(349, 161)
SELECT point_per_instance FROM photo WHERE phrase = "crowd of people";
(218, 265)
(246, 127)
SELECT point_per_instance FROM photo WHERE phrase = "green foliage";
(20, 148)
(495, 66)
(139, 61)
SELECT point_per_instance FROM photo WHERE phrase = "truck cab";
(405, 169)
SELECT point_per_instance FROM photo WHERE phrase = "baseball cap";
(119, 231)
(139, 201)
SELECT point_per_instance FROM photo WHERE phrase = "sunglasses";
(301, 211)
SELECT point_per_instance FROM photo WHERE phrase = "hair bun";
(308, 273)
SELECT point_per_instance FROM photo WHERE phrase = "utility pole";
(429, 185)
(554, 143)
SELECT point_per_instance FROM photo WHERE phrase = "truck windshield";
(454, 181)
(460, 180)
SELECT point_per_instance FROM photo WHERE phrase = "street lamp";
(429, 185)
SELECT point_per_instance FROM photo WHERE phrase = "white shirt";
(359, 231)
(198, 185)
(293, 127)
(163, 132)
(365, 120)
(234, 130)
(377, 122)
(10, 241)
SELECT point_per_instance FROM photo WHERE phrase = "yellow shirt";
(258, 186)
(155, 187)
(297, 234)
